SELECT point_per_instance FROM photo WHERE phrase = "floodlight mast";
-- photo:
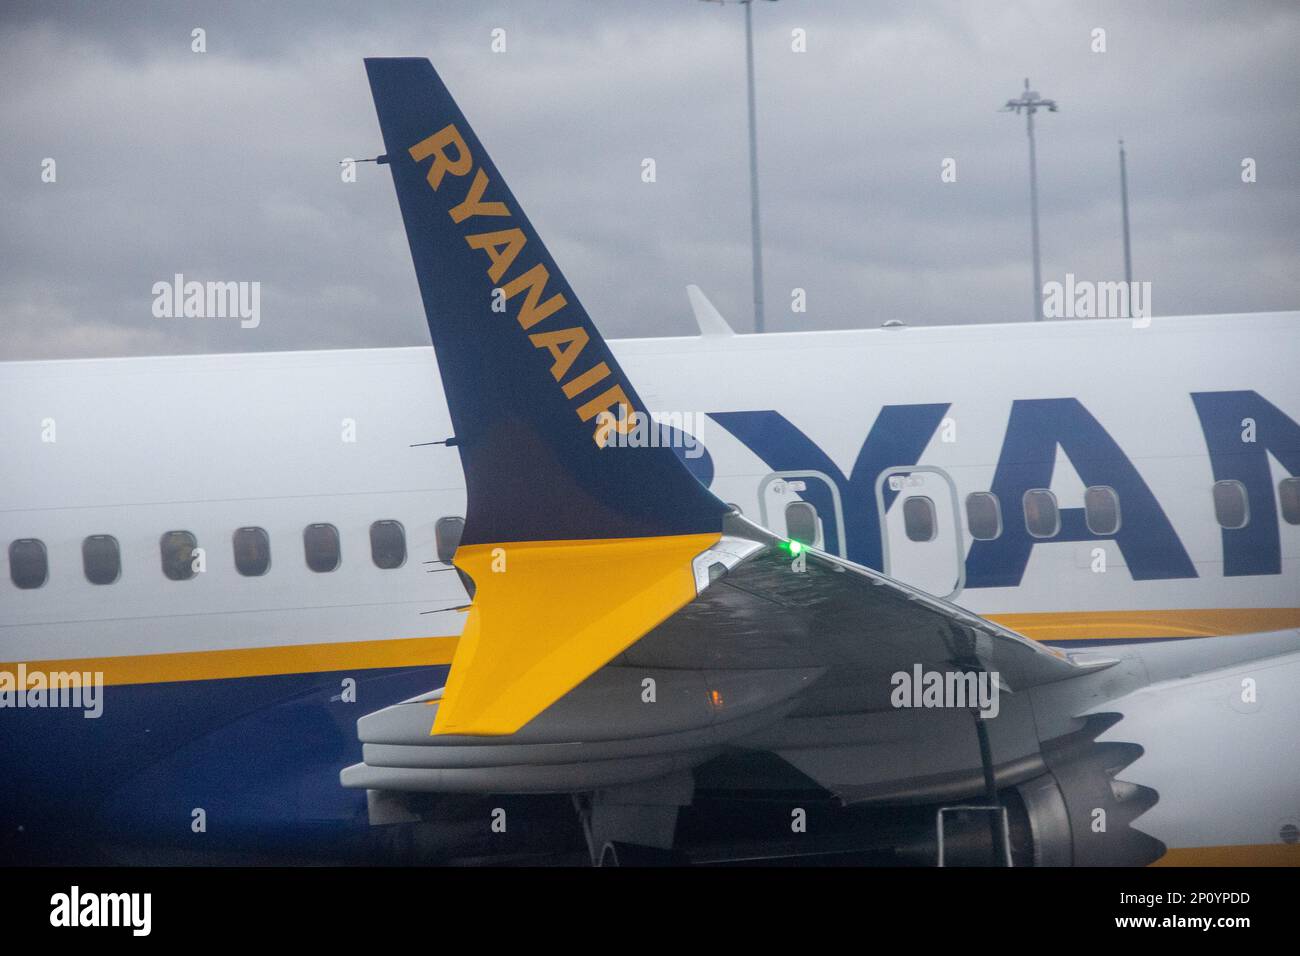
(1123, 198)
(756, 237)
(1030, 102)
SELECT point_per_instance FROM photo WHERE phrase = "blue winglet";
(526, 373)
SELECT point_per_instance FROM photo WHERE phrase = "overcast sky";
(223, 165)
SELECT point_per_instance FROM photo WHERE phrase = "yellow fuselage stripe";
(1266, 854)
(257, 661)
(430, 651)
(1123, 625)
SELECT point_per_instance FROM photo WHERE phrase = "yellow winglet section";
(547, 614)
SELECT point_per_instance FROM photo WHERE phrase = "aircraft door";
(804, 505)
(921, 539)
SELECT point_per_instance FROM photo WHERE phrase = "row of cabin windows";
(1043, 516)
(101, 557)
(102, 560)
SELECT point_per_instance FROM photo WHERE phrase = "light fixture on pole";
(1031, 103)
(1123, 199)
(755, 230)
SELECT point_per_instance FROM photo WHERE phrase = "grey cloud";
(223, 165)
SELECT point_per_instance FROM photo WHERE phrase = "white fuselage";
(137, 447)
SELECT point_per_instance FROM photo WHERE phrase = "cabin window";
(446, 535)
(1101, 509)
(1042, 518)
(983, 515)
(1230, 505)
(801, 522)
(177, 548)
(320, 544)
(918, 518)
(388, 544)
(101, 559)
(1288, 493)
(252, 548)
(29, 564)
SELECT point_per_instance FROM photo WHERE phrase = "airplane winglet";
(578, 542)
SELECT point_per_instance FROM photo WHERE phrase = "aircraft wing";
(772, 625)
(606, 578)
(784, 604)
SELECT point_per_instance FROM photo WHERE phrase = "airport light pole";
(755, 230)
(756, 234)
(1031, 103)
(1123, 197)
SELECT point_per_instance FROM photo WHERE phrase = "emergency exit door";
(921, 542)
(786, 507)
